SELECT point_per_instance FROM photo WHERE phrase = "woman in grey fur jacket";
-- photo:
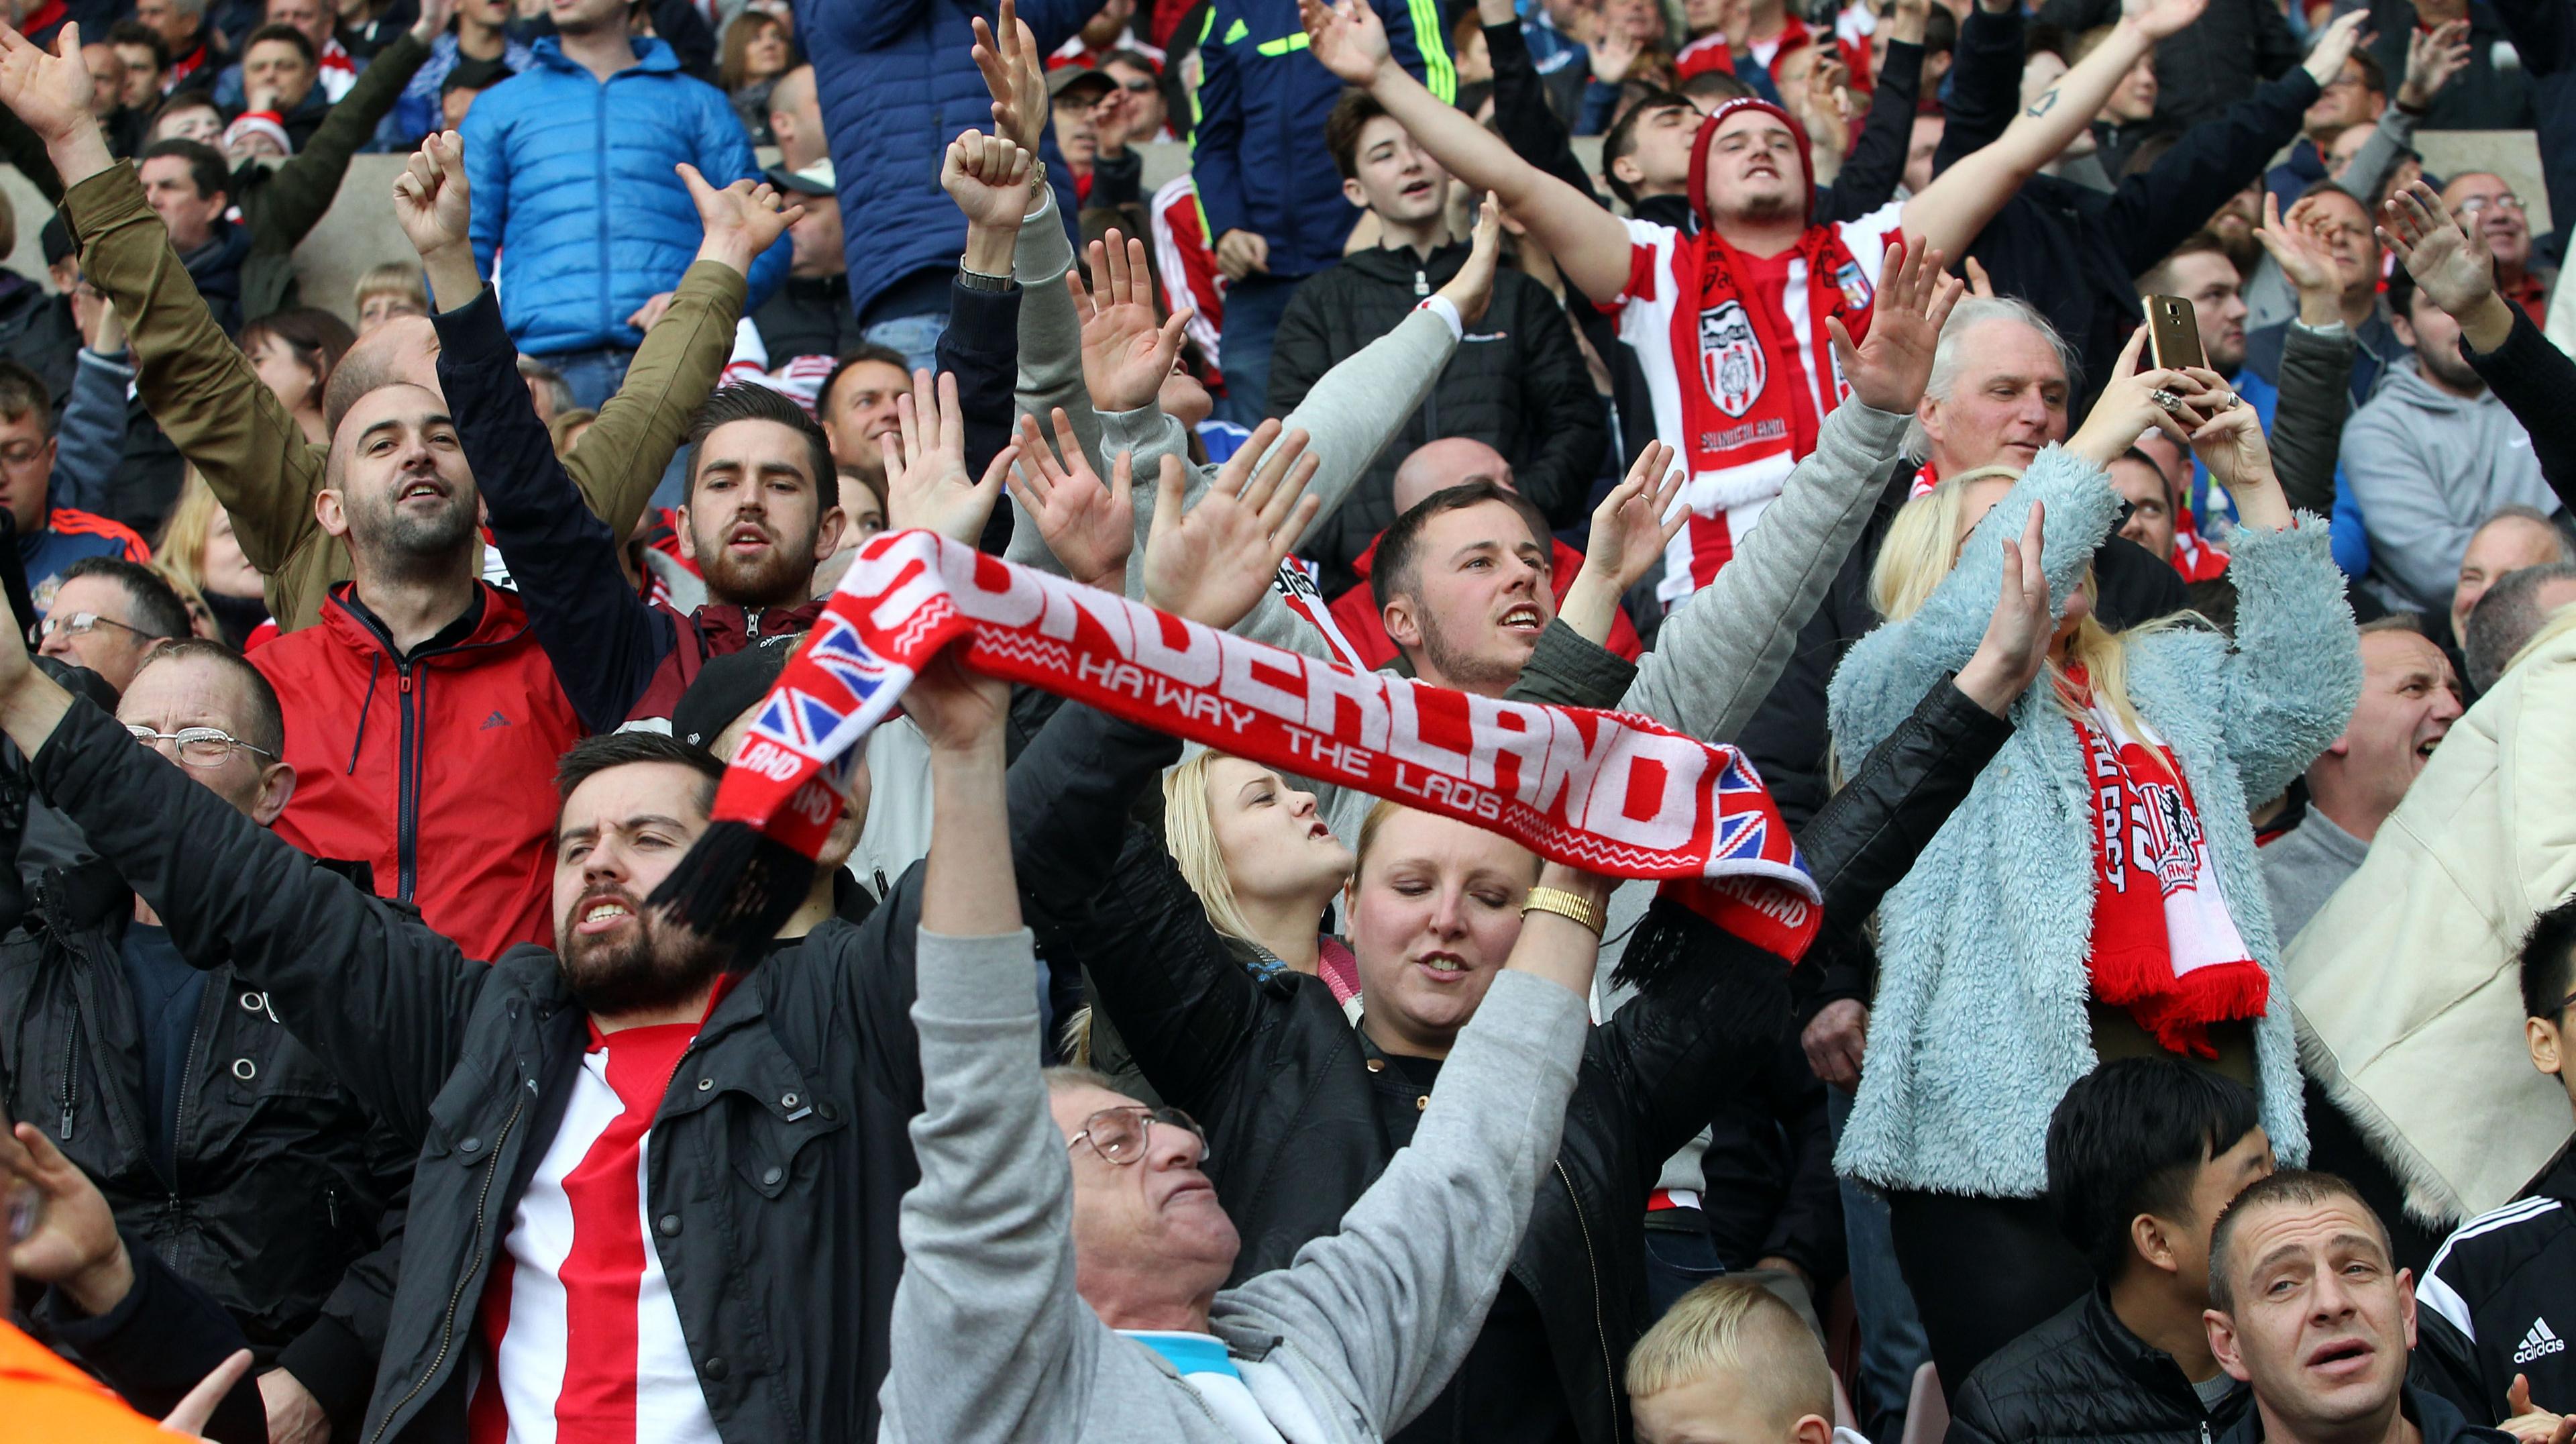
(2024, 948)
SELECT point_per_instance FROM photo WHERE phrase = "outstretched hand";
(1126, 353)
(432, 203)
(2530, 1423)
(1348, 37)
(2298, 247)
(1015, 74)
(2434, 58)
(2449, 264)
(2008, 657)
(1887, 371)
(925, 465)
(1472, 289)
(1633, 524)
(742, 220)
(48, 89)
(1211, 563)
(1091, 528)
(2334, 46)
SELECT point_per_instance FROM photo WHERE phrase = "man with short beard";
(747, 1252)
(2432, 456)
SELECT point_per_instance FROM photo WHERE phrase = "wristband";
(1447, 311)
(1567, 905)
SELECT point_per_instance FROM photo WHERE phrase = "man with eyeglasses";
(109, 615)
(2486, 205)
(220, 1142)
(50, 538)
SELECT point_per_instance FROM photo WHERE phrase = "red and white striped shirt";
(582, 1343)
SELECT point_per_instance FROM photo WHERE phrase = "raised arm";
(90, 440)
(1984, 82)
(988, 177)
(2316, 361)
(1956, 206)
(1589, 243)
(296, 198)
(1521, 111)
(1876, 165)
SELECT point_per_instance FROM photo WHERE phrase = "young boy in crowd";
(1732, 1364)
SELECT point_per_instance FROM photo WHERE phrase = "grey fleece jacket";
(1354, 1338)
(2427, 467)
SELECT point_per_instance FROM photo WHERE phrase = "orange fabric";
(74, 522)
(45, 1401)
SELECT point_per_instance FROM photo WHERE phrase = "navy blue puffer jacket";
(573, 187)
(896, 81)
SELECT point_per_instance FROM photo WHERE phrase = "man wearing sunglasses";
(220, 1142)
(111, 615)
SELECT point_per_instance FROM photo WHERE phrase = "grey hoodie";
(1346, 1344)
(2426, 468)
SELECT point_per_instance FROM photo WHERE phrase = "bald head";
(1440, 465)
(403, 350)
(796, 121)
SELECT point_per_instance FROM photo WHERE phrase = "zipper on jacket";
(1592, 1269)
(407, 789)
(71, 1075)
(447, 1334)
(188, 1089)
(1421, 282)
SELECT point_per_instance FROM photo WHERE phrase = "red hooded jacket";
(436, 770)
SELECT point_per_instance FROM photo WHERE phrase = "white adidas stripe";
(2436, 1293)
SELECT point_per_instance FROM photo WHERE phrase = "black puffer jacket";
(1303, 1111)
(2083, 1378)
(777, 1162)
(277, 1193)
(1517, 383)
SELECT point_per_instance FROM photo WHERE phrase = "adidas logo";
(2538, 1343)
(495, 720)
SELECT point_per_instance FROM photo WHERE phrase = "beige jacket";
(2406, 983)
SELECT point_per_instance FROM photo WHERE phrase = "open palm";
(1212, 563)
(1126, 352)
(1887, 372)
(1347, 37)
(49, 90)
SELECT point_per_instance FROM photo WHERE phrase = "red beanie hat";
(1708, 136)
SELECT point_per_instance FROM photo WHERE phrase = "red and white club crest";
(1730, 358)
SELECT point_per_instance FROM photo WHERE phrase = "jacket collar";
(2439, 1420)
(650, 55)
(728, 628)
(2143, 1362)
(2559, 1180)
(495, 617)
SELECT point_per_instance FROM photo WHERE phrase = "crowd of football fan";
(2105, 480)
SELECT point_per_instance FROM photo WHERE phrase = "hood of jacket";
(1707, 137)
(650, 54)
(1398, 265)
(2407, 386)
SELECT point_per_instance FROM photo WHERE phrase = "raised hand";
(1472, 289)
(1015, 74)
(989, 180)
(1091, 528)
(1348, 37)
(2449, 264)
(49, 90)
(2297, 248)
(2433, 59)
(1630, 528)
(925, 465)
(2231, 442)
(1613, 56)
(74, 1246)
(433, 19)
(1126, 353)
(2162, 19)
(741, 220)
(1888, 371)
(2333, 47)
(1212, 563)
(2134, 400)
(2008, 657)
(431, 200)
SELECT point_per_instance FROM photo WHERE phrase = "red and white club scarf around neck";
(1608, 792)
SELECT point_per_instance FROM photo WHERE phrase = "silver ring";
(2169, 402)
(2226, 402)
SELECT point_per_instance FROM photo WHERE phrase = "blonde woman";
(1255, 849)
(2097, 895)
(198, 547)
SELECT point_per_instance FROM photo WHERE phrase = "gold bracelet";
(1568, 905)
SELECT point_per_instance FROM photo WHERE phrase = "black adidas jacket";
(2500, 1300)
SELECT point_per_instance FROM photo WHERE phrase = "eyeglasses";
(2475, 204)
(1120, 1135)
(81, 624)
(25, 453)
(198, 746)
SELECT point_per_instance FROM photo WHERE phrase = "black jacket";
(1769, 1166)
(1303, 1112)
(37, 331)
(164, 1336)
(2534, 379)
(2083, 1378)
(2216, 61)
(1517, 382)
(778, 1159)
(2434, 1416)
(2483, 1309)
(808, 316)
(276, 1198)
(2073, 251)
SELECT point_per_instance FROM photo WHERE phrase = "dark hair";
(1393, 574)
(184, 98)
(864, 351)
(206, 168)
(1940, 32)
(157, 608)
(287, 34)
(1622, 138)
(2290, 1186)
(2159, 278)
(317, 338)
(2549, 961)
(759, 403)
(2130, 1138)
(22, 392)
(265, 727)
(1718, 86)
(2505, 620)
(2373, 78)
(592, 756)
(135, 32)
(2149, 462)
(1351, 114)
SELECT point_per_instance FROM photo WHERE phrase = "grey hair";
(1949, 357)
(2505, 619)
(2516, 511)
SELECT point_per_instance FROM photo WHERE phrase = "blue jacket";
(1980, 1024)
(573, 185)
(1257, 138)
(896, 81)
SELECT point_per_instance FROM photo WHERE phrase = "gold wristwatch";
(1567, 905)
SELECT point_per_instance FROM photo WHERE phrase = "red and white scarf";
(1742, 433)
(2164, 944)
(1615, 794)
